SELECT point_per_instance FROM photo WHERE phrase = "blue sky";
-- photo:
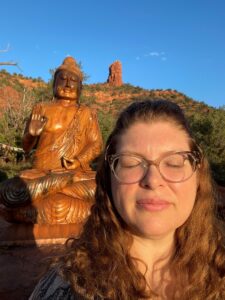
(177, 44)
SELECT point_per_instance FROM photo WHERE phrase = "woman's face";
(154, 207)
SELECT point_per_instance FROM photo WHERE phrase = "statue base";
(35, 234)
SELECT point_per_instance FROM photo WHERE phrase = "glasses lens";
(128, 168)
(177, 167)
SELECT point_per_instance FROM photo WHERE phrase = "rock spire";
(115, 74)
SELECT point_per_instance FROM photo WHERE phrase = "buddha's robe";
(80, 140)
(56, 193)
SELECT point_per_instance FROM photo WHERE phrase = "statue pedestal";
(24, 250)
(28, 234)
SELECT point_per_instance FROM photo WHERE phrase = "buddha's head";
(67, 82)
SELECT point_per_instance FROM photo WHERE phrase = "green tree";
(209, 131)
(106, 122)
(14, 117)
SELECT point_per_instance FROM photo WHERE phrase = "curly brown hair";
(99, 261)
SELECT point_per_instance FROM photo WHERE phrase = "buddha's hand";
(70, 164)
(38, 122)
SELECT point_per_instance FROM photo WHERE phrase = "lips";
(66, 90)
(153, 204)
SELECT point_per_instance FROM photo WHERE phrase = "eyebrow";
(163, 154)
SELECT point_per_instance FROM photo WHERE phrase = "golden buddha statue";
(59, 188)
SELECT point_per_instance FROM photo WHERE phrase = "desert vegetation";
(18, 94)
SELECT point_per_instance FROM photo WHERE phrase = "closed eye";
(130, 165)
(171, 165)
(129, 162)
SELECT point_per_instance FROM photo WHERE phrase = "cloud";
(153, 54)
(156, 54)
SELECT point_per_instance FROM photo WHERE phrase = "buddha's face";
(67, 86)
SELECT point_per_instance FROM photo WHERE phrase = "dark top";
(53, 287)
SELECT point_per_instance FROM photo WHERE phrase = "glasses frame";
(196, 156)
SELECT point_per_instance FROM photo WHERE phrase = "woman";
(152, 233)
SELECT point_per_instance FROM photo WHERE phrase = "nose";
(152, 178)
(69, 83)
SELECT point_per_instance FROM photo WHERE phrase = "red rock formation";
(115, 74)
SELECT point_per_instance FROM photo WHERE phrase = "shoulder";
(43, 106)
(84, 108)
(52, 286)
(90, 113)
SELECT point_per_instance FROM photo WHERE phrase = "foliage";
(209, 131)
(87, 100)
(15, 115)
(85, 75)
(207, 123)
(128, 88)
(10, 169)
(106, 122)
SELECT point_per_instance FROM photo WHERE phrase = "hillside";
(13, 87)
(99, 96)
(18, 95)
(106, 98)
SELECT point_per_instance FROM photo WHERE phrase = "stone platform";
(25, 252)
(29, 234)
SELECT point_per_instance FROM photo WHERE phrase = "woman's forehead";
(162, 135)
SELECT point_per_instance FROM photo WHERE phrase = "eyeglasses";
(172, 166)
